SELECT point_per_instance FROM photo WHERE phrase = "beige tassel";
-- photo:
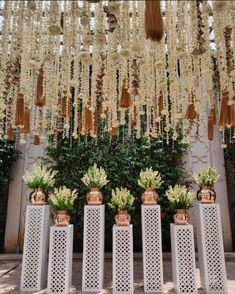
(40, 99)
(36, 140)
(10, 134)
(20, 109)
(26, 122)
(125, 100)
(153, 20)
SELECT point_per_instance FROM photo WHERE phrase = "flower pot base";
(181, 216)
(62, 218)
(94, 197)
(122, 218)
(149, 196)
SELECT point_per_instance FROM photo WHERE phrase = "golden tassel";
(160, 105)
(36, 140)
(19, 109)
(232, 115)
(114, 132)
(40, 99)
(190, 112)
(125, 100)
(26, 121)
(65, 109)
(224, 119)
(211, 123)
(134, 117)
(10, 134)
(87, 119)
(153, 20)
(95, 122)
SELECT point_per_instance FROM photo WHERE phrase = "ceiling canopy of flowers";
(87, 67)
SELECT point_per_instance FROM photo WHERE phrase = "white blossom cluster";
(95, 177)
(150, 179)
(121, 199)
(39, 177)
(208, 176)
(62, 198)
(180, 197)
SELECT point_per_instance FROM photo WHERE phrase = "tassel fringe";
(20, 109)
(153, 20)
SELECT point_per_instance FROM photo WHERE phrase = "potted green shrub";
(122, 203)
(62, 200)
(180, 200)
(150, 180)
(95, 178)
(41, 180)
(206, 180)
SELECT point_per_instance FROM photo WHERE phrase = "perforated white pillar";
(60, 260)
(123, 281)
(34, 265)
(93, 248)
(211, 249)
(152, 248)
(183, 259)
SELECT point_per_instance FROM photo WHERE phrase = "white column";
(34, 266)
(60, 260)
(152, 248)
(183, 259)
(211, 249)
(93, 248)
(123, 282)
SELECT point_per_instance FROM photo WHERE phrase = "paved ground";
(10, 276)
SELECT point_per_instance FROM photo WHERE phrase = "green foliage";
(122, 162)
(8, 155)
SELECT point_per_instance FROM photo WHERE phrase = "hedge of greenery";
(122, 162)
(8, 155)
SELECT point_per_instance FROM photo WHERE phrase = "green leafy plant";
(95, 177)
(179, 197)
(121, 200)
(8, 155)
(150, 179)
(62, 199)
(40, 177)
(208, 176)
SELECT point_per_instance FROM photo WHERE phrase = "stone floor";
(10, 276)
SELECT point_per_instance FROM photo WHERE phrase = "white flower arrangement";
(150, 179)
(40, 177)
(63, 198)
(122, 199)
(180, 197)
(95, 177)
(208, 176)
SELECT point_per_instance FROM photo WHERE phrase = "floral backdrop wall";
(66, 64)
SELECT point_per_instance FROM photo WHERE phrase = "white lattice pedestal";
(211, 249)
(34, 265)
(183, 259)
(152, 248)
(123, 281)
(93, 248)
(60, 260)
